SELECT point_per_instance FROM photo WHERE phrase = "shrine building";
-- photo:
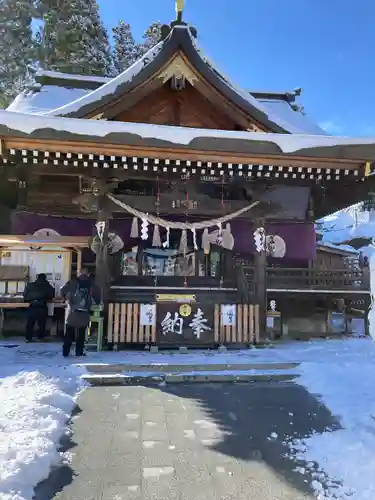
(197, 198)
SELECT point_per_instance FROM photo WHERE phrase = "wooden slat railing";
(244, 331)
(318, 279)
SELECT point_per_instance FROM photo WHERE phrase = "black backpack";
(80, 298)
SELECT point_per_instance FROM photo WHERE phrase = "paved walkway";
(187, 442)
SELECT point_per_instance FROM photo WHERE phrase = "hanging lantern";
(114, 245)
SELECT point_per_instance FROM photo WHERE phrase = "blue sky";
(324, 46)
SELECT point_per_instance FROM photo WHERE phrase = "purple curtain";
(299, 238)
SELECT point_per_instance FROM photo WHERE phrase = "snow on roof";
(53, 97)
(49, 97)
(347, 224)
(246, 96)
(110, 87)
(339, 248)
(57, 75)
(17, 124)
(65, 94)
(180, 38)
(285, 111)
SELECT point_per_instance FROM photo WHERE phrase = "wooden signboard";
(187, 323)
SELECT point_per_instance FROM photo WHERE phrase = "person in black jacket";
(38, 294)
(81, 293)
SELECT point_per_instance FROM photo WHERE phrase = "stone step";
(107, 368)
(178, 378)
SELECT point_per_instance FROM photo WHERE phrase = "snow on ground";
(36, 401)
(342, 373)
(38, 388)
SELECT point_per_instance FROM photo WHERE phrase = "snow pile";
(35, 407)
(343, 376)
(347, 224)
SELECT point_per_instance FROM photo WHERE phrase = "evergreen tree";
(73, 39)
(151, 37)
(126, 50)
(16, 47)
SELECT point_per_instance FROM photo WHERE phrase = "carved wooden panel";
(52, 194)
(185, 108)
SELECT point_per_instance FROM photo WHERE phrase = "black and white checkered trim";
(185, 168)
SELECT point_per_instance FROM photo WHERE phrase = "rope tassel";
(206, 242)
(156, 240)
(183, 242)
(152, 219)
(134, 233)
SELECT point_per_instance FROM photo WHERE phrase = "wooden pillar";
(261, 283)
(101, 264)
(79, 261)
(140, 257)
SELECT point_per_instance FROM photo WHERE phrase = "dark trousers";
(37, 315)
(71, 333)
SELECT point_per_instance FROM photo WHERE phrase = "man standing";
(38, 294)
(80, 293)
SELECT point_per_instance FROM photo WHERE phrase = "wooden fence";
(124, 326)
(246, 329)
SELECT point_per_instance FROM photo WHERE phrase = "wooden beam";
(45, 241)
(119, 174)
(79, 261)
(3, 149)
(179, 153)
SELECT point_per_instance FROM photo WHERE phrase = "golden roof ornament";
(166, 29)
(180, 4)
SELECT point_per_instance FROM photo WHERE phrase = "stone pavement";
(187, 442)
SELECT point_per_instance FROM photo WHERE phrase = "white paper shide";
(228, 314)
(148, 315)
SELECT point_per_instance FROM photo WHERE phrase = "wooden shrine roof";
(19, 131)
(178, 52)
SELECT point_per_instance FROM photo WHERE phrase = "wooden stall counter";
(43, 252)
(18, 303)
